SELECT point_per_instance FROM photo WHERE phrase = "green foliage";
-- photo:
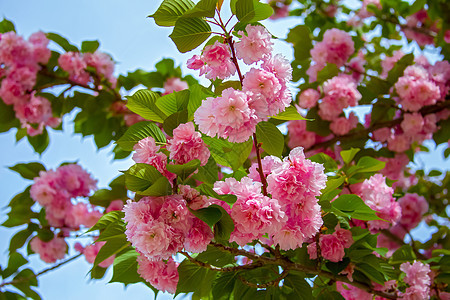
(6, 25)
(189, 33)
(196, 279)
(170, 10)
(138, 132)
(143, 102)
(204, 8)
(300, 37)
(62, 42)
(145, 180)
(352, 206)
(270, 137)
(29, 170)
(289, 114)
(229, 154)
(183, 171)
(20, 212)
(250, 11)
(90, 46)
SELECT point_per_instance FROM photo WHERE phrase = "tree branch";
(25, 279)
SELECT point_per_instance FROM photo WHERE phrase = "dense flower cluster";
(54, 190)
(187, 144)
(50, 251)
(264, 93)
(332, 245)
(292, 215)
(418, 279)
(378, 196)
(76, 65)
(336, 48)
(162, 275)
(20, 61)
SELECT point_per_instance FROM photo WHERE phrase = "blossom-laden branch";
(386, 124)
(287, 264)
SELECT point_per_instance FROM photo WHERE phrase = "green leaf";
(369, 164)
(89, 46)
(125, 268)
(15, 261)
(300, 37)
(144, 179)
(204, 8)
(251, 11)
(353, 206)
(29, 170)
(183, 171)
(209, 172)
(19, 239)
(322, 158)
(113, 230)
(228, 154)
(223, 285)
(170, 10)
(189, 33)
(224, 227)
(399, 68)
(371, 272)
(138, 132)
(174, 120)
(403, 254)
(289, 114)
(235, 84)
(173, 102)
(216, 257)
(207, 190)
(105, 220)
(39, 142)
(348, 155)
(143, 102)
(61, 41)
(112, 247)
(197, 94)
(300, 288)
(270, 137)
(6, 25)
(210, 215)
(21, 212)
(329, 71)
(193, 278)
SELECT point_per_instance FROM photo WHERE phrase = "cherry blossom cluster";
(50, 251)
(413, 207)
(57, 191)
(20, 61)
(332, 245)
(416, 24)
(418, 279)
(378, 196)
(185, 146)
(54, 190)
(336, 48)
(292, 216)
(159, 227)
(234, 115)
(76, 64)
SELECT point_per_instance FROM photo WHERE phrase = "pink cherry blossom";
(308, 98)
(174, 84)
(162, 275)
(413, 208)
(217, 58)
(255, 45)
(50, 251)
(187, 144)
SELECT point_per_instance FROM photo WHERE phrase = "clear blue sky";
(134, 42)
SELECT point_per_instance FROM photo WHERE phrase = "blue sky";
(134, 42)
